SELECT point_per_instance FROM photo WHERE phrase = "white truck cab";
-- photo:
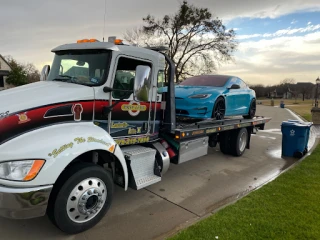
(97, 118)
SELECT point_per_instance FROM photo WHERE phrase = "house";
(281, 93)
(4, 72)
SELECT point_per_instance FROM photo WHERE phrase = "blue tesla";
(214, 96)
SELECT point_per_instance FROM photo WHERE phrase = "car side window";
(125, 75)
(231, 82)
(242, 84)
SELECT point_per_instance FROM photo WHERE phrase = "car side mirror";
(142, 84)
(235, 86)
(44, 73)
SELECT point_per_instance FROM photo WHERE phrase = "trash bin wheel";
(298, 154)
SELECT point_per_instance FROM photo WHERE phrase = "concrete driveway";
(187, 192)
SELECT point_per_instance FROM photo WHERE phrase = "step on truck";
(97, 118)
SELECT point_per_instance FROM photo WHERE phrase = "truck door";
(128, 118)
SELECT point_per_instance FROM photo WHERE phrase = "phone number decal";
(134, 140)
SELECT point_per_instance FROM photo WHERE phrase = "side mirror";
(142, 84)
(235, 86)
(44, 73)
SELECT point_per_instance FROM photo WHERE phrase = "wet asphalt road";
(187, 192)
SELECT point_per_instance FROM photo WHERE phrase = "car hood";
(41, 104)
(185, 91)
(40, 94)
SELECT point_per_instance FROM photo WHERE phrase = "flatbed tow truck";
(98, 118)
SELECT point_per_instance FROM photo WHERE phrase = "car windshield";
(87, 67)
(206, 80)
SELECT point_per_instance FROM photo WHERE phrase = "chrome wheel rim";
(86, 200)
(243, 141)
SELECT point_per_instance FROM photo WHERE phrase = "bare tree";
(305, 88)
(261, 91)
(197, 42)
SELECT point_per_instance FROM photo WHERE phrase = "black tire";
(239, 140)
(68, 182)
(252, 110)
(224, 142)
(219, 109)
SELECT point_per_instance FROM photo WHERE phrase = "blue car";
(214, 96)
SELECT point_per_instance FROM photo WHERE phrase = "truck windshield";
(86, 67)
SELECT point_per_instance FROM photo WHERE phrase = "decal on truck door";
(125, 123)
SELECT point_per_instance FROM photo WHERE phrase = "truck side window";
(125, 74)
(161, 78)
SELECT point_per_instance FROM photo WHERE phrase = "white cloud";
(268, 61)
(309, 23)
(282, 32)
(294, 21)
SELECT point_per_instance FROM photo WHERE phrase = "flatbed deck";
(186, 131)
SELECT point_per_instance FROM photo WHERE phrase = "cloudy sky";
(278, 38)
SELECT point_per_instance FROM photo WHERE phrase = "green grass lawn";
(303, 110)
(267, 102)
(286, 208)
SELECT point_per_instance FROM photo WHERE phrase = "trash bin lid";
(294, 123)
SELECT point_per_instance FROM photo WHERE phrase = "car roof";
(214, 76)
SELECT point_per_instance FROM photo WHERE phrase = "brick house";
(4, 71)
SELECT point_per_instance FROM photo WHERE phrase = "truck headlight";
(202, 96)
(20, 170)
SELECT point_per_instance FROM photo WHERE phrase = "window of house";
(1, 81)
(125, 74)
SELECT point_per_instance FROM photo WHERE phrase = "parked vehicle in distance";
(214, 96)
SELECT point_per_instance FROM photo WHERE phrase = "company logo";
(292, 133)
(77, 110)
(23, 118)
(133, 108)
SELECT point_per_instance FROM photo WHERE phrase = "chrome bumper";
(24, 203)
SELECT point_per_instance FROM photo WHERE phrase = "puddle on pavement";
(275, 153)
(275, 131)
(265, 137)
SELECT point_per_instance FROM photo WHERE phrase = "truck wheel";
(80, 198)
(225, 142)
(239, 141)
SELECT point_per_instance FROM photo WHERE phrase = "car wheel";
(219, 109)
(80, 198)
(252, 110)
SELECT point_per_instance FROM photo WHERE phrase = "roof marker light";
(87, 40)
(118, 42)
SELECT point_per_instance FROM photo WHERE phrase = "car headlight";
(202, 96)
(20, 170)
